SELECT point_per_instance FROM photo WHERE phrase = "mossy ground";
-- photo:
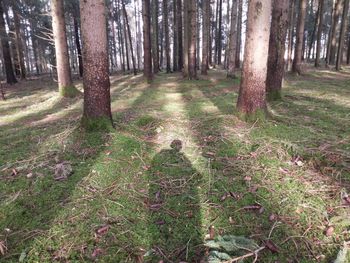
(178, 162)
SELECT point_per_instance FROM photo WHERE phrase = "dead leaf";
(271, 246)
(97, 251)
(102, 230)
(272, 217)
(329, 231)
(211, 232)
(3, 248)
(247, 178)
(160, 222)
(14, 172)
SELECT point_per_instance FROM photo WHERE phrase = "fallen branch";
(253, 253)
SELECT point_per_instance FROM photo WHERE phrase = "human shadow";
(174, 204)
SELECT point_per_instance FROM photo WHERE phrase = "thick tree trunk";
(277, 44)
(10, 75)
(334, 30)
(97, 101)
(77, 44)
(179, 34)
(147, 64)
(290, 34)
(205, 34)
(251, 100)
(342, 35)
(319, 33)
(297, 62)
(232, 42)
(19, 46)
(166, 33)
(239, 34)
(65, 83)
(129, 38)
(192, 36)
(155, 36)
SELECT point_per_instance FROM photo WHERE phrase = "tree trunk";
(277, 44)
(192, 36)
(97, 101)
(312, 39)
(342, 35)
(186, 39)
(77, 43)
(232, 42)
(129, 38)
(348, 55)
(319, 33)
(175, 39)
(147, 63)
(251, 100)
(205, 38)
(65, 83)
(166, 33)
(300, 38)
(10, 75)
(219, 35)
(333, 32)
(19, 46)
(155, 36)
(179, 34)
(290, 34)
(239, 34)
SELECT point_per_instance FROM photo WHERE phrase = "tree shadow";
(175, 216)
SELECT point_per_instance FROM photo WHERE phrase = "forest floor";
(179, 169)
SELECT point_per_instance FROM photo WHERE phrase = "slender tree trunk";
(121, 38)
(232, 42)
(10, 75)
(179, 35)
(277, 44)
(319, 33)
(300, 38)
(19, 46)
(239, 34)
(206, 33)
(77, 44)
(65, 83)
(147, 64)
(126, 45)
(192, 36)
(166, 32)
(186, 39)
(175, 44)
(219, 35)
(312, 39)
(155, 36)
(335, 28)
(290, 34)
(252, 100)
(138, 36)
(348, 55)
(129, 38)
(342, 35)
(97, 100)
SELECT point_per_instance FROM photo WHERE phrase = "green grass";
(178, 163)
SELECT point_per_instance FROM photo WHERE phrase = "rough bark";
(298, 54)
(319, 33)
(147, 63)
(155, 36)
(205, 37)
(166, 35)
(97, 101)
(232, 42)
(277, 44)
(251, 100)
(192, 45)
(10, 75)
(239, 34)
(342, 35)
(65, 83)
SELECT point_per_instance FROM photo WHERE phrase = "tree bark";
(290, 34)
(219, 34)
(179, 34)
(10, 75)
(252, 100)
(155, 35)
(205, 38)
(300, 38)
(319, 33)
(77, 44)
(239, 34)
(19, 46)
(129, 38)
(65, 83)
(97, 101)
(333, 33)
(185, 39)
(175, 39)
(147, 64)
(277, 44)
(342, 35)
(166, 33)
(192, 45)
(232, 42)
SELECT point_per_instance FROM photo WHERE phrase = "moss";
(257, 116)
(69, 91)
(97, 124)
(274, 95)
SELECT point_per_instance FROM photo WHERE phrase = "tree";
(319, 33)
(332, 38)
(179, 34)
(65, 84)
(155, 36)
(290, 34)
(126, 19)
(10, 75)
(232, 42)
(300, 38)
(185, 39)
(205, 36)
(277, 44)
(239, 34)
(19, 46)
(166, 32)
(97, 102)
(219, 34)
(251, 100)
(342, 35)
(147, 59)
(192, 36)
